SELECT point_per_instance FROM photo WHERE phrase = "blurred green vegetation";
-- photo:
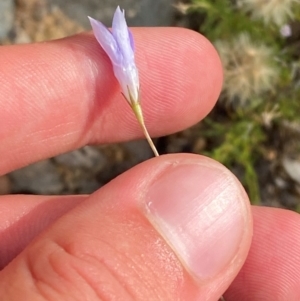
(261, 61)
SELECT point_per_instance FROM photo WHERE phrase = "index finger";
(60, 95)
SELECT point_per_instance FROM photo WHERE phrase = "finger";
(174, 228)
(60, 95)
(272, 269)
(23, 217)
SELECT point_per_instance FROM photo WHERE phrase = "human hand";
(177, 227)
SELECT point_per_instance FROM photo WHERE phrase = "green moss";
(238, 136)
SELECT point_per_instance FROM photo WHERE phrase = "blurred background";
(255, 127)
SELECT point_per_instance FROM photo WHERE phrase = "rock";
(79, 169)
(87, 186)
(138, 13)
(21, 37)
(87, 157)
(41, 21)
(7, 10)
(289, 200)
(154, 13)
(292, 168)
(139, 150)
(39, 178)
(280, 182)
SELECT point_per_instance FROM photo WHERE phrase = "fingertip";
(175, 227)
(69, 96)
(272, 269)
(184, 88)
(199, 210)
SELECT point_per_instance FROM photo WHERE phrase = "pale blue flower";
(119, 46)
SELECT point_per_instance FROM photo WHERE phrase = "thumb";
(177, 227)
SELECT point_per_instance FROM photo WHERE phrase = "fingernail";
(198, 210)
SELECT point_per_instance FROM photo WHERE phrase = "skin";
(60, 95)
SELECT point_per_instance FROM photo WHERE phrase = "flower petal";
(121, 35)
(131, 39)
(128, 79)
(106, 40)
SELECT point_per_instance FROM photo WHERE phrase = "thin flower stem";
(139, 115)
(149, 140)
